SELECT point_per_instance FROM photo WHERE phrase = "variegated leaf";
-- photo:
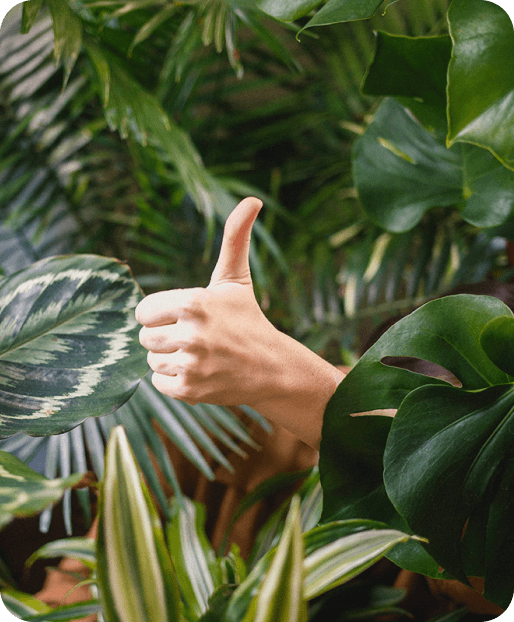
(68, 343)
(82, 549)
(280, 597)
(23, 605)
(23, 492)
(135, 572)
(194, 558)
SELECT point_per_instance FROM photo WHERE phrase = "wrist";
(298, 386)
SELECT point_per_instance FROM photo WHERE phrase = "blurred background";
(85, 167)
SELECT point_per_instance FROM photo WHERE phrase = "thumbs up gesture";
(214, 344)
(205, 343)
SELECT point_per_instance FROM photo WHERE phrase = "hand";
(215, 345)
(212, 344)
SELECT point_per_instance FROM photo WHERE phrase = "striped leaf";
(135, 573)
(331, 560)
(194, 558)
(68, 613)
(23, 492)
(280, 597)
(334, 553)
(82, 549)
(23, 605)
(68, 343)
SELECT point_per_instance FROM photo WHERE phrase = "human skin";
(215, 345)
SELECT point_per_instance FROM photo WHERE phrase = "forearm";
(302, 385)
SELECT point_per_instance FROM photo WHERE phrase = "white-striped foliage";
(68, 343)
(24, 492)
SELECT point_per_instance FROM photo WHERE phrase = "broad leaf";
(336, 11)
(68, 345)
(445, 332)
(135, 573)
(286, 10)
(480, 81)
(469, 467)
(497, 341)
(23, 492)
(412, 69)
(449, 470)
(401, 170)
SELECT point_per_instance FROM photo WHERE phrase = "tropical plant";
(419, 202)
(143, 571)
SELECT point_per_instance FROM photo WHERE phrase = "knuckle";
(195, 303)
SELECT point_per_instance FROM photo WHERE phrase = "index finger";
(163, 307)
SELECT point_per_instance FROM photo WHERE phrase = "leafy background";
(157, 118)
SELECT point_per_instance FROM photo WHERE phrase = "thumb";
(233, 265)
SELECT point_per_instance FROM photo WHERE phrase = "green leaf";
(449, 471)
(75, 548)
(413, 69)
(68, 613)
(68, 344)
(336, 11)
(488, 188)
(401, 170)
(480, 82)
(497, 341)
(135, 573)
(193, 556)
(24, 492)
(331, 561)
(67, 35)
(23, 605)
(286, 10)
(281, 594)
(218, 604)
(31, 10)
(334, 553)
(445, 332)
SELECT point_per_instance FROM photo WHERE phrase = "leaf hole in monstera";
(420, 366)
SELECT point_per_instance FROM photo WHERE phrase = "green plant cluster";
(130, 130)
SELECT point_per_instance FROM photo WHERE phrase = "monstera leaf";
(480, 82)
(447, 452)
(402, 170)
(68, 343)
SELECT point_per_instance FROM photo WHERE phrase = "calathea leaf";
(68, 343)
(24, 492)
(449, 470)
(480, 81)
